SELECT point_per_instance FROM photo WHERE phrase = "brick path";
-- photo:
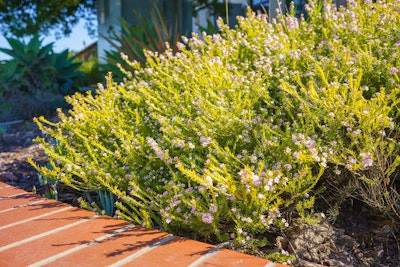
(35, 231)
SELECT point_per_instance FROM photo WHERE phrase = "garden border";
(35, 231)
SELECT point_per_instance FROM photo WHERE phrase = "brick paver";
(38, 232)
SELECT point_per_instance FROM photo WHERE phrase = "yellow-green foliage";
(230, 136)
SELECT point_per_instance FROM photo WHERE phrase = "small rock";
(9, 138)
(29, 135)
(27, 141)
(386, 229)
(364, 209)
(9, 177)
(378, 251)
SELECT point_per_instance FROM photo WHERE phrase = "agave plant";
(67, 74)
(27, 71)
(35, 79)
(34, 67)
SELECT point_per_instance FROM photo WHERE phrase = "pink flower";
(207, 218)
(168, 219)
(367, 159)
(193, 209)
(256, 180)
(205, 141)
(287, 166)
(393, 70)
(100, 86)
(123, 56)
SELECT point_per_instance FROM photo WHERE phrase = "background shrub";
(91, 73)
(35, 79)
(237, 134)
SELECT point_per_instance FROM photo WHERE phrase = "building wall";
(109, 12)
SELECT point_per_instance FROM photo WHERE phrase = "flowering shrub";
(235, 135)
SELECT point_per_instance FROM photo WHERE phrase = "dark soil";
(16, 146)
(358, 236)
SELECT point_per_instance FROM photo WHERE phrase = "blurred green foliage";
(36, 76)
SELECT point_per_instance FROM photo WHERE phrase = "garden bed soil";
(358, 236)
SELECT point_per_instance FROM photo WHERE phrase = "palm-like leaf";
(35, 67)
(148, 34)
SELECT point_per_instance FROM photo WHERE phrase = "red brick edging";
(35, 231)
